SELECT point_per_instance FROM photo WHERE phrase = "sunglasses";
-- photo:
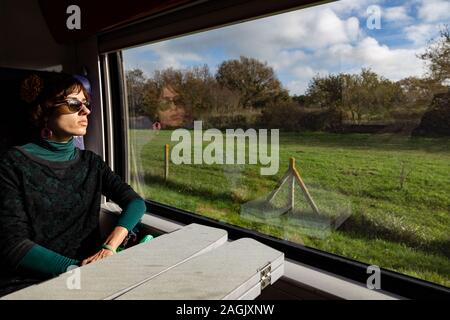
(74, 105)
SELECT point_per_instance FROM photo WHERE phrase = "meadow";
(393, 190)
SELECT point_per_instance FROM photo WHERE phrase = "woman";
(50, 191)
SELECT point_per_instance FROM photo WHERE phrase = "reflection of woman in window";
(51, 190)
(173, 114)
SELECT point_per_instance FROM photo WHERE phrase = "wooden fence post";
(166, 162)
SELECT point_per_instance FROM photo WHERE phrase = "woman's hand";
(103, 253)
(114, 240)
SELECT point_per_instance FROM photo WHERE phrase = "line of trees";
(355, 95)
(247, 86)
(237, 85)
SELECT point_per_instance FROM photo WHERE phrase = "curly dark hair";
(42, 92)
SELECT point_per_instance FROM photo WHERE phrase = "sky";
(341, 36)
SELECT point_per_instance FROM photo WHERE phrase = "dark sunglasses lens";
(75, 105)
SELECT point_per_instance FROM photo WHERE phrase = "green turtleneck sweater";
(47, 262)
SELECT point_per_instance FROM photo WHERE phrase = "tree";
(357, 95)
(135, 82)
(195, 89)
(300, 99)
(438, 57)
(370, 95)
(255, 81)
(153, 88)
(419, 92)
(325, 92)
(152, 98)
(436, 121)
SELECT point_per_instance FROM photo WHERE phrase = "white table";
(194, 262)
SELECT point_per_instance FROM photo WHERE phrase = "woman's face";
(174, 115)
(65, 124)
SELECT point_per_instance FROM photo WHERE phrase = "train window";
(324, 126)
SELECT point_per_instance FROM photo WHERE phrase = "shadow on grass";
(357, 226)
(189, 190)
(364, 228)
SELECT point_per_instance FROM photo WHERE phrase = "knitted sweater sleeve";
(17, 250)
(15, 228)
(44, 262)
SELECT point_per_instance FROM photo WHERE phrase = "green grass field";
(405, 229)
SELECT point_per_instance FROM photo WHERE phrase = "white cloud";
(391, 63)
(275, 40)
(353, 7)
(264, 38)
(420, 34)
(303, 74)
(329, 29)
(297, 87)
(396, 14)
(174, 59)
(298, 45)
(434, 10)
(394, 64)
(286, 59)
(166, 57)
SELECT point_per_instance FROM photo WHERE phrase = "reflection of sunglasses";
(74, 105)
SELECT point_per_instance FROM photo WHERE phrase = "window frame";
(115, 113)
(113, 80)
